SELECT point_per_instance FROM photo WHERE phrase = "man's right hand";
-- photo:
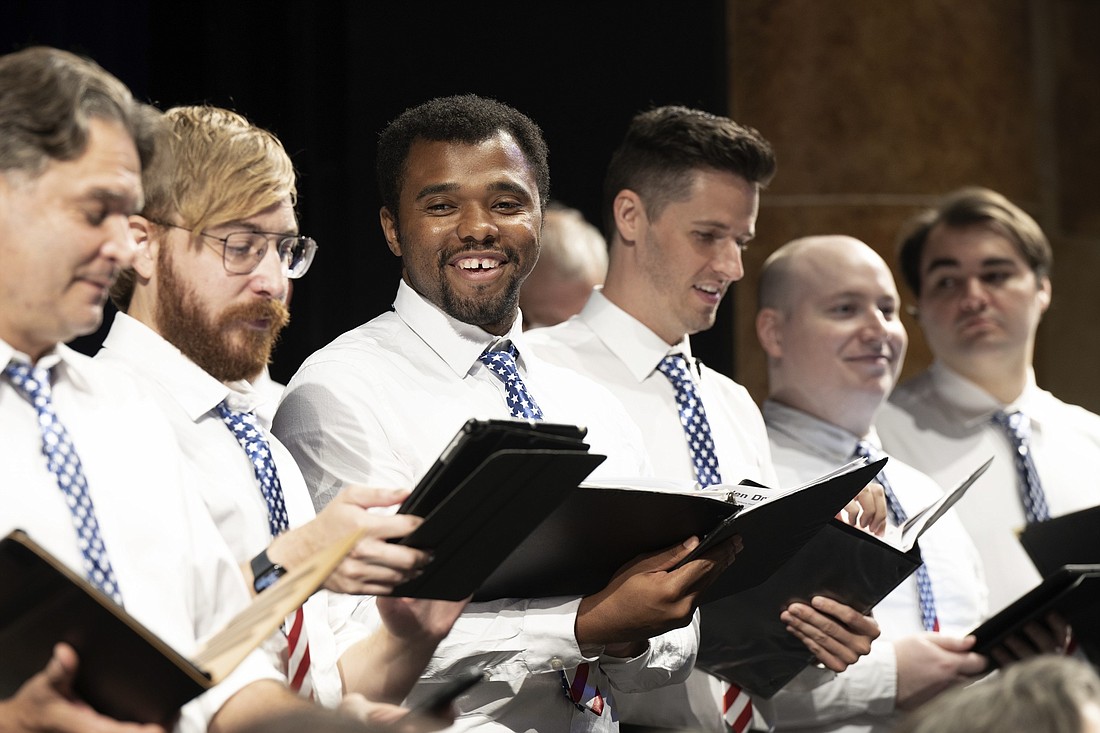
(929, 663)
(374, 566)
(836, 634)
(45, 702)
(646, 597)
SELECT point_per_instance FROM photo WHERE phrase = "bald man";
(572, 261)
(828, 320)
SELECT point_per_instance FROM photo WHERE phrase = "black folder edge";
(476, 441)
(1063, 540)
(474, 528)
(1069, 591)
(90, 620)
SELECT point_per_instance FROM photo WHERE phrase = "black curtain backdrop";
(328, 75)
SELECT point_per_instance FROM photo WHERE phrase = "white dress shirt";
(607, 344)
(861, 699)
(175, 573)
(378, 405)
(188, 397)
(940, 423)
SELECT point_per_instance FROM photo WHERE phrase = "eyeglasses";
(242, 252)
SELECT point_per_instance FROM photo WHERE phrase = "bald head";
(572, 260)
(828, 321)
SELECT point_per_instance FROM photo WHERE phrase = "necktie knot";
(502, 365)
(693, 419)
(33, 383)
(251, 437)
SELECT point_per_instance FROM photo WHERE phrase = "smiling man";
(828, 320)
(979, 267)
(681, 196)
(464, 181)
(201, 307)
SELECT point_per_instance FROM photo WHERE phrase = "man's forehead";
(976, 244)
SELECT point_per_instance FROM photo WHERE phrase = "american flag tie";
(1017, 429)
(693, 419)
(244, 427)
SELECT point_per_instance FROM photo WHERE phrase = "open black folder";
(494, 483)
(742, 638)
(598, 528)
(125, 671)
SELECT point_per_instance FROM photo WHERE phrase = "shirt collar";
(833, 443)
(458, 344)
(59, 356)
(196, 391)
(973, 403)
(639, 348)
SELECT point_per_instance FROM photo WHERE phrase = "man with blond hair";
(91, 470)
(201, 308)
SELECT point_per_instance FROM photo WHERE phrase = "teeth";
(475, 264)
(707, 289)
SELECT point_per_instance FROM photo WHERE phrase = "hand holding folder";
(124, 670)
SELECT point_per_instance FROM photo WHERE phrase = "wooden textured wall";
(876, 108)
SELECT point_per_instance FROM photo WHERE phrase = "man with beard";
(464, 181)
(90, 469)
(201, 308)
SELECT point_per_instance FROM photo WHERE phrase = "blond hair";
(212, 166)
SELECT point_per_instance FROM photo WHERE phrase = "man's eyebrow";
(941, 262)
(997, 261)
(436, 188)
(115, 199)
(509, 187)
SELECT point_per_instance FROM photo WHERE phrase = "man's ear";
(389, 229)
(769, 331)
(1045, 294)
(630, 217)
(147, 244)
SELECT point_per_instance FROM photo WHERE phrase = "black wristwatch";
(265, 572)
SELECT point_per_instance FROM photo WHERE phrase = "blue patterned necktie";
(693, 419)
(580, 691)
(1017, 428)
(251, 437)
(63, 462)
(928, 616)
(502, 365)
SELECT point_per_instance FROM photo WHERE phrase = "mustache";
(274, 311)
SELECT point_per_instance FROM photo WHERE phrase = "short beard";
(221, 347)
(498, 311)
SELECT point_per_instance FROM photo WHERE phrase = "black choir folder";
(742, 639)
(598, 528)
(1063, 548)
(125, 671)
(492, 485)
(1073, 591)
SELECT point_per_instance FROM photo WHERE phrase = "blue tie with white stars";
(1017, 428)
(693, 418)
(929, 619)
(63, 462)
(502, 364)
(251, 437)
